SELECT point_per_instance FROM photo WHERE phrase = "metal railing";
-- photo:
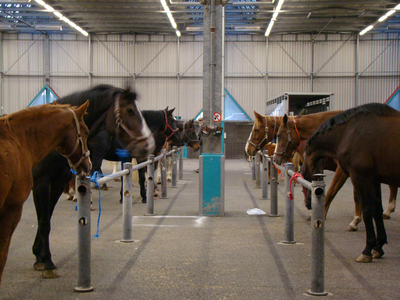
(317, 189)
(83, 198)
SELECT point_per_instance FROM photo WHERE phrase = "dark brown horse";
(27, 136)
(296, 130)
(365, 141)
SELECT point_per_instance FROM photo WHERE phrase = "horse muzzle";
(141, 148)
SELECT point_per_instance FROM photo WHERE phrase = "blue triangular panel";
(394, 99)
(46, 95)
(232, 110)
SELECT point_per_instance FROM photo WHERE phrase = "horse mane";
(344, 116)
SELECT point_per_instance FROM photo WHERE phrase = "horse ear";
(191, 122)
(82, 109)
(54, 102)
(170, 111)
(285, 118)
(258, 116)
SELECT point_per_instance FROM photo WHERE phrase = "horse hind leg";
(9, 219)
(392, 202)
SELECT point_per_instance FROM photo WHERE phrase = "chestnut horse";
(27, 136)
(293, 131)
(365, 141)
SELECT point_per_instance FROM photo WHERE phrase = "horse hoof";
(386, 216)
(49, 274)
(351, 228)
(39, 266)
(309, 218)
(69, 198)
(377, 253)
(144, 201)
(364, 258)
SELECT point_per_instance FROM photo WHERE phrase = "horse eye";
(256, 130)
(130, 111)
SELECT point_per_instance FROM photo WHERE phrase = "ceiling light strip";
(381, 19)
(274, 17)
(170, 17)
(61, 17)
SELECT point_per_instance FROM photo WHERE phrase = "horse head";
(285, 144)
(126, 121)
(189, 135)
(171, 130)
(74, 145)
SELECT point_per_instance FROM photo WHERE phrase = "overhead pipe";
(224, 3)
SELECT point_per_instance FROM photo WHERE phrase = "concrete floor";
(178, 254)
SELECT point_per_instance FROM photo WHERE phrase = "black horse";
(112, 110)
(188, 133)
(163, 127)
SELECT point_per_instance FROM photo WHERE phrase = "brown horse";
(263, 132)
(293, 131)
(365, 141)
(27, 136)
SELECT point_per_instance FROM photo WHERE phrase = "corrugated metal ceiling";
(242, 16)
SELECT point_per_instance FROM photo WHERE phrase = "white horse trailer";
(293, 104)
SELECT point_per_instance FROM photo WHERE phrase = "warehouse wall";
(168, 72)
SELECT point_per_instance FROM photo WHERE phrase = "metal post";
(257, 171)
(84, 242)
(253, 168)
(274, 190)
(181, 163)
(163, 169)
(289, 213)
(174, 167)
(127, 205)
(150, 187)
(318, 237)
(264, 176)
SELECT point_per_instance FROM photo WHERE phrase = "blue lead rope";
(96, 175)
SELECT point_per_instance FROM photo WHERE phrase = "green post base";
(212, 185)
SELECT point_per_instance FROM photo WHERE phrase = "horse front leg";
(367, 194)
(142, 183)
(9, 219)
(381, 237)
(45, 200)
(392, 202)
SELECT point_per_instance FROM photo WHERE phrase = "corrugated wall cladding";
(69, 58)
(289, 58)
(191, 59)
(156, 59)
(245, 59)
(167, 73)
(18, 92)
(335, 58)
(23, 57)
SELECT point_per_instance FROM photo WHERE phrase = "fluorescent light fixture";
(61, 17)
(194, 28)
(247, 28)
(397, 7)
(5, 26)
(390, 12)
(274, 17)
(366, 29)
(383, 18)
(170, 17)
(51, 27)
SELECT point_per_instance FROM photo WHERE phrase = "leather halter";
(168, 126)
(265, 138)
(78, 140)
(290, 141)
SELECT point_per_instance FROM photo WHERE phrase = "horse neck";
(154, 120)
(40, 135)
(308, 124)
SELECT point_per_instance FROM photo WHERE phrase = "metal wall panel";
(23, 57)
(112, 58)
(190, 97)
(69, 58)
(343, 89)
(156, 58)
(245, 59)
(191, 59)
(18, 92)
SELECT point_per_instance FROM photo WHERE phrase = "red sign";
(217, 117)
